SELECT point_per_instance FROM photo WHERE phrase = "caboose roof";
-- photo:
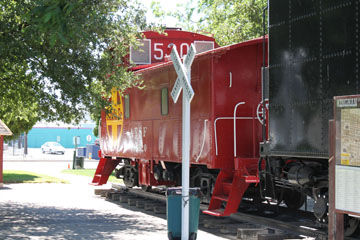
(4, 130)
(206, 54)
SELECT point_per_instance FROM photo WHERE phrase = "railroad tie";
(160, 209)
(151, 206)
(250, 232)
(275, 236)
(124, 198)
(109, 194)
(132, 200)
(229, 228)
(100, 191)
(141, 203)
(116, 196)
(214, 223)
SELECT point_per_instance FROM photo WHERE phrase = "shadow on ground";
(18, 177)
(28, 222)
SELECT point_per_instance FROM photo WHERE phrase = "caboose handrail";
(203, 143)
(235, 109)
(234, 118)
(227, 118)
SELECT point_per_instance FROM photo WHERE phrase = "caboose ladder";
(230, 187)
(103, 170)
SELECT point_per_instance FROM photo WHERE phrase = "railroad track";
(247, 224)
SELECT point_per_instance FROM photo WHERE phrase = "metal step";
(215, 212)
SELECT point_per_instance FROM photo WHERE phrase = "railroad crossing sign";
(183, 82)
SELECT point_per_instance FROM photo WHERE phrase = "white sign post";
(184, 82)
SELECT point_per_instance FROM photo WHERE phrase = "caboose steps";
(227, 187)
(251, 179)
(215, 213)
(104, 170)
(230, 187)
(223, 198)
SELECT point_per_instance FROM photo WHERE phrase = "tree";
(233, 21)
(229, 21)
(184, 13)
(59, 57)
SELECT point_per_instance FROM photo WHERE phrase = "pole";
(1, 160)
(184, 82)
(25, 144)
(185, 164)
(263, 78)
(74, 156)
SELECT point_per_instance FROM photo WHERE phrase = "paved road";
(35, 154)
(70, 211)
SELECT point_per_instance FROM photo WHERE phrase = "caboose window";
(142, 54)
(164, 101)
(127, 106)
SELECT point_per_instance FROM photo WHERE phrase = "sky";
(167, 5)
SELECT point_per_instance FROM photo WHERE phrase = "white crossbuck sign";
(182, 81)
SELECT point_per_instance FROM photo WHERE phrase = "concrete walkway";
(71, 211)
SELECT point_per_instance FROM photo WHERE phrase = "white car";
(52, 147)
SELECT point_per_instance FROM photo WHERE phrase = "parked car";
(53, 148)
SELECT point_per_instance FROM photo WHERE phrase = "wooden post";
(4, 130)
(331, 225)
(336, 220)
(1, 160)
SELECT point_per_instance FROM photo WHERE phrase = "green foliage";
(184, 14)
(233, 21)
(59, 58)
(96, 128)
(18, 104)
(229, 21)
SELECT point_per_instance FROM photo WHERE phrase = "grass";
(29, 177)
(90, 173)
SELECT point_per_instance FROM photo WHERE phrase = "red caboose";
(143, 133)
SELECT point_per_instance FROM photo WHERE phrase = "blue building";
(64, 135)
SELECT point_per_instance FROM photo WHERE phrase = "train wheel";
(351, 226)
(293, 199)
(130, 176)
